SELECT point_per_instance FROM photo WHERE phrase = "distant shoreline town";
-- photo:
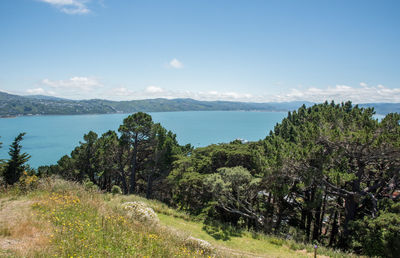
(34, 105)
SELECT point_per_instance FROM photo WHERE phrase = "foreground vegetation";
(57, 218)
(66, 220)
(327, 175)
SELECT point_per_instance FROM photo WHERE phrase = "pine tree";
(15, 165)
(135, 130)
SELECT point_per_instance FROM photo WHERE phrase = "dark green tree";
(106, 158)
(15, 165)
(135, 131)
(235, 191)
(1, 163)
(164, 149)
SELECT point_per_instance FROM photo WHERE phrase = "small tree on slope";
(15, 165)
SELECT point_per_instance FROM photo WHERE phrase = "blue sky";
(254, 50)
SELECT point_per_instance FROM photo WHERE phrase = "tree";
(15, 165)
(334, 163)
(86, 156)
(164, 150)
(1, 162)
(135, 130)
(235, 191)
(106, 158)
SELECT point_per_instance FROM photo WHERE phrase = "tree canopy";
(327, 173)
(15, 165)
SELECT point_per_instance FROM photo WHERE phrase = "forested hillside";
(14, 105)
(327, 174)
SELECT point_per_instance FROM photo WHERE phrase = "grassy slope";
(64, 220)
(244, 244)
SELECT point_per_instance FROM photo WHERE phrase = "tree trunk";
(321, 223)
(334, 230)
(149, 190)
(122, 174)
(303, 218)
(133, 174)
(351, 208)
(317, 221)
(309, 214)
(279, 217)
(350, 212)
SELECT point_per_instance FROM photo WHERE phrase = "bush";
(197, 243)
(116, 189)
(141, 212)
(28, 182)
(276, 241)
(379, 236)
(219, 230)
(90, 186)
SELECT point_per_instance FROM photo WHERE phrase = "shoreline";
(235, 110)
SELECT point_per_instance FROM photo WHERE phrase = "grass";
(240, 243)
(63, 219)
(79, 223)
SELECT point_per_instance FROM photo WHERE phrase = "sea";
(48, 138)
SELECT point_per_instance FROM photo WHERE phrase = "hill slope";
(15, 105)
(61, 218)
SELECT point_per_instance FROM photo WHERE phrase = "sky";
(237, 50)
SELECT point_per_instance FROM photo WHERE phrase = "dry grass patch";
(22, 233)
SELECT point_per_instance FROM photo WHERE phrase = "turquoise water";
(50, 137)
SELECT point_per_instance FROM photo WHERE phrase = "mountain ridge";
(17, 105)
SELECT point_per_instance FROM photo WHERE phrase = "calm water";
(50, 137)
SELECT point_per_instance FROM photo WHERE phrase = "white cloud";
(40, 91)
(121, 92)
(89, 88)
(154, 89)
(69, 6)
(158, 92)
(340, 93)
(175, 63)
(6, 91)
(74, 83)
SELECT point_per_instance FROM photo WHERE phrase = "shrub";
(116, 189)
(276, 241)
(379, 236)
(90, 186)
(141, 212)
(28, 182)
(197, 243)
(219, 230)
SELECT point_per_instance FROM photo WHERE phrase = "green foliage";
(326, 173)
(115, 189)
(142, 155)
(15, 165)
(379, 236)
(90, 186)
(2, 166)
(276, 241)
(28, 182)
(221, 231)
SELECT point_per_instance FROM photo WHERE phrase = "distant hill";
(15, 105)
(44, 97)
(383, 108)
